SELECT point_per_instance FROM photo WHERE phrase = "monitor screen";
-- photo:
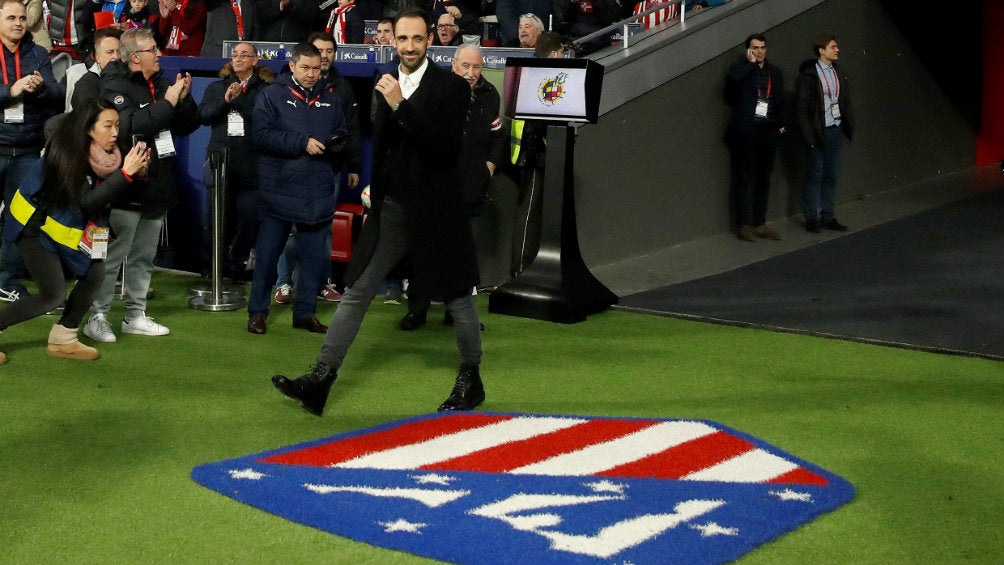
(566, 90)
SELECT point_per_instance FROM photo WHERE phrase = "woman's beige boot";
(63, 342)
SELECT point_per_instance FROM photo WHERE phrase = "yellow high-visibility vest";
(21, 209)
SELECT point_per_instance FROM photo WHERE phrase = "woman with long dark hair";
(58, 219)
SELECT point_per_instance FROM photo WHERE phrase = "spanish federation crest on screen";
(552, 89)
(488, 488)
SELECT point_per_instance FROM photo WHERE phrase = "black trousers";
(752, 164)
(47, 271)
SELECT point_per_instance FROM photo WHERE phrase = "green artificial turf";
(95, 455)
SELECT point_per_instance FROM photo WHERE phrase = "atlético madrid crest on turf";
(487, 488)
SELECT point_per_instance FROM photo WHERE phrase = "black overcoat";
(415, 151)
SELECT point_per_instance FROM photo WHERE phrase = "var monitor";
(563, 90)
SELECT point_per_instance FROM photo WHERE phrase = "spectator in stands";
(344, 22)
(154, 111)
(465, 14)
(299, 127)
(755, 90)
(550, 45)
(510, 12)
(227, 20)
(71, 23)
(384, 32)
(83, 81)
(116, 7)
(447, 31)
(418, 210)
(228, 107)
(286, 20)
(350, 164)
(182, 25)
(139, 14)
(351, 160)
(530, 28)
(28, 96)
(37, 24)
(826, 123)
(581, 18)
(83, 171)
(482, 151)
(527, 156)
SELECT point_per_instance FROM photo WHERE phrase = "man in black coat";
(418, 210)
(483, 150)
(755, 90)
(155, 111)
(826, 123)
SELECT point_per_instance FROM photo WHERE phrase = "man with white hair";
(530, 28)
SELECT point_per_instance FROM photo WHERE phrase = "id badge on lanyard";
(835, 111)
(165, 144)
(95, 241)
(761, 109)
(15, 113)
(235, 124)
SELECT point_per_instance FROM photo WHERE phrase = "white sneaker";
(98, 329)
(143, 325)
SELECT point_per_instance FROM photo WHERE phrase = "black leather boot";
(310, 389)
(467, 391)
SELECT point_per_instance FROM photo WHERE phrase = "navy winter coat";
(292, 185)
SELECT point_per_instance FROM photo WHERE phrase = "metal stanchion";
(217, 296)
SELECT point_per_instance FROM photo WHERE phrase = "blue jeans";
(315, 263)
(12, 171)
(820, 189)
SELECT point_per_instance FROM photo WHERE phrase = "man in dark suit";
(418, 210)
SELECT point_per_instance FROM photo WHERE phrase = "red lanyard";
(235, 4)
(153, 90)
(17, 66)
(304, 98)
(770, 85)
(832, 91)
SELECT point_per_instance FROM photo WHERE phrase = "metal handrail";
(634, 17)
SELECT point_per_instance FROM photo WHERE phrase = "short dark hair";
(386, 21)
(821, 41)
(756, 36)
(303, 49)
(322, 36)
(546, 43)
(411, 13)
(106, 32)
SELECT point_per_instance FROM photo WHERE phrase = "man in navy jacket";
(299, 128)
(28, 95)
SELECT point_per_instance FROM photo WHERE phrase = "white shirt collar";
(409, 83)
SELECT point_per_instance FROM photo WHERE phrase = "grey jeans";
(391, 247)
(136, 237)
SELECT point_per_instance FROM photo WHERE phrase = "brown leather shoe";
(311, 324)
(766, 232)
(256, 324)
(745, 233)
